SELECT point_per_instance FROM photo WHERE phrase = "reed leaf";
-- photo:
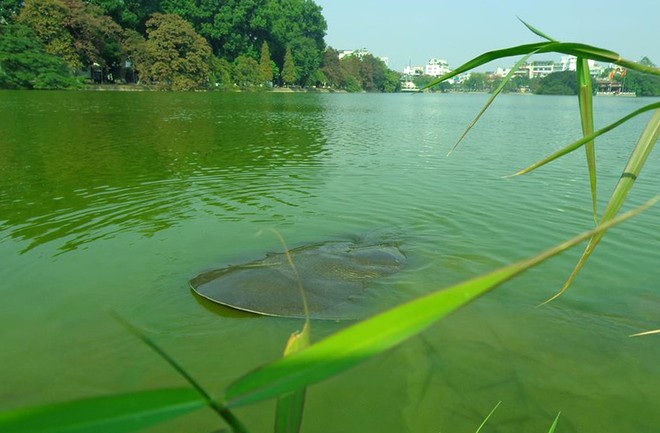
(537, 31)
(585, 98)
(642, 334)
(630, 173)
(289, 411)
(109, 414)
(483, 423)
(369, 338)
(224, 413)
(571, 48)
(290, 406)
(553, 427)
(496, 92)
(579, 143)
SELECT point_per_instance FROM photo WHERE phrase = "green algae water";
(114, 201)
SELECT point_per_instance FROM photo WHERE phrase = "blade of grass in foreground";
(496, 92)
(630, 173)
(373, 336)
(553, 427)
(642, 334)
(585, 98)
(224, 413)
(537, 31)
(289, 411)
(488, 417)
(109, 414)
(571, 48)
(579, 143)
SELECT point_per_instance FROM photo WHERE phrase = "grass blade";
(224, 413)
(289, 411)
(519, 50)
(537, 31)
(497, 91)
(585, 98)
(488, 417)
(382, 332)
(571, 48)
(579, 143)
(630, 173)
(641, 334)
(109, 414)
(553, 427)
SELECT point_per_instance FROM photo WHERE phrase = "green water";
(114, 201)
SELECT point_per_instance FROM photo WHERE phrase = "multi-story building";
(436, 67)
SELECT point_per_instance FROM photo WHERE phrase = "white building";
(360, 52)
(569, 63)
(414, 70)
(436, 67)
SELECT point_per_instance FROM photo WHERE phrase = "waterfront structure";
(361, 52)
(436, 67)
(415, 71)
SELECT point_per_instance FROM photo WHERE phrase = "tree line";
(177, 45)
(556, 83)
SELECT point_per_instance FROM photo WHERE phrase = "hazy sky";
(417, 30)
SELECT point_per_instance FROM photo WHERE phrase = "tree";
(476, 83)
(331, 68)
(129, 14)
(221, 72)
(392, 81)
(179, 57)
(25, 64)
(76, 31)
(134, 46)
(289, 71)
(558, 83)
(297, 25)
(47, 19)
(265, 64)
(246, 71)
(642, 84)
(9, 10)
(232, 27)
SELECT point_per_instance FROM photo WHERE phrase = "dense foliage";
(641, 84)
(558, 83)
(25, 64)
(358, 73)
(178, 45)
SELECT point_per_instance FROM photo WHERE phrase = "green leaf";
(641, 334)
(290, 406)
(364, 340)
(482, 59)
(488, 417)
(497, 91)
(571, 48)
(222, 411)
(110, 414)
(579, 143)
(630, 173)
(289, 411)
(553, 427)
(537, 31)
(585, 98)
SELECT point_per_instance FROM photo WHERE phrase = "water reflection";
(84, 166)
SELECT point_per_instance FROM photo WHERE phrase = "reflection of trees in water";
(84, 166)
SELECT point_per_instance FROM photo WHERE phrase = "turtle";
(333, 275)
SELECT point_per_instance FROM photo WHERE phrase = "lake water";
(113, 201)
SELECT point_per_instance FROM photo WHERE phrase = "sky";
(413, 31)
